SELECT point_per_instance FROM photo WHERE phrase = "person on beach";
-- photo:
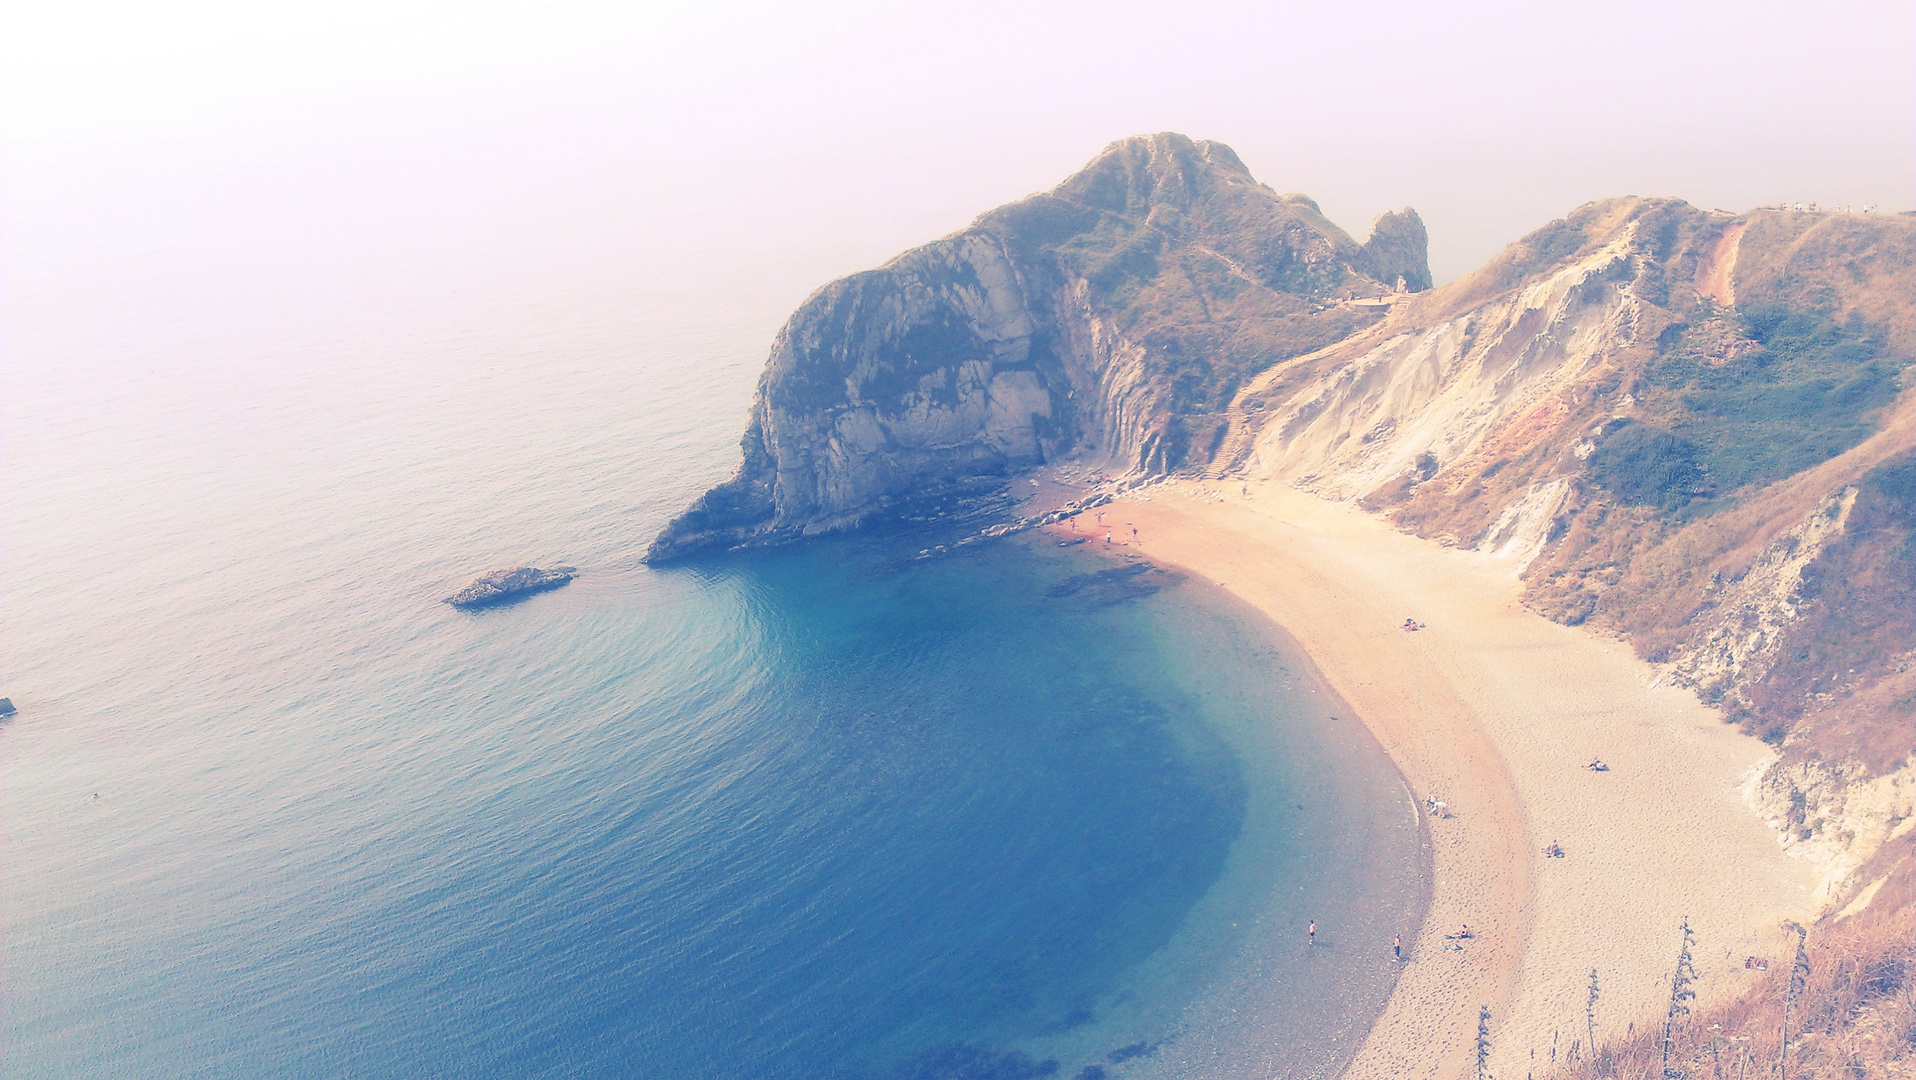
(1397, 948)
(1313, 931)
(1134, 534)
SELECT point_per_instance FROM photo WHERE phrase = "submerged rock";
(1116, 584)
(501, 586)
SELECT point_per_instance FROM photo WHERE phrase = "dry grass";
(1852, 262)
(1854, 1016)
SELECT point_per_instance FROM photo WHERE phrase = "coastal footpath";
(1496, 711)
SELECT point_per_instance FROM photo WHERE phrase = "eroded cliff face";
(1839, 817)
(1417, 403)
(1112, 319)
(1690, 428)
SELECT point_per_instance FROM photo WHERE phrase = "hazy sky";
(901, 121)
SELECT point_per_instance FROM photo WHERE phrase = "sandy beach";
(1496, 711)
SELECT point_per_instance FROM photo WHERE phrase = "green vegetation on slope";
(1645, 465)
(1783, 390)
(1208, 322)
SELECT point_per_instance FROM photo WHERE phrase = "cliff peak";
(1398, 251)
(1135, 175)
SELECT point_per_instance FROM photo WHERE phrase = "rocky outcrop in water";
(504, 586)
(1111, 318)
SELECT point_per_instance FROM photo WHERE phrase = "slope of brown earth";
(1669, 420)
(1716, 271)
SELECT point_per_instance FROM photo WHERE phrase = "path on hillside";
(1716, 273)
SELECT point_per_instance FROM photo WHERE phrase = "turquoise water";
(271, 810)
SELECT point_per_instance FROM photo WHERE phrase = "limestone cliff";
(1398, 250)
(1111, 318)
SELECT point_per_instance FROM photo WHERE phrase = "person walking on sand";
(1397, 948)
(1134, 534)
(1313, 931)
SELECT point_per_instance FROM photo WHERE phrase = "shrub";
(1645, 465)
(1806, 389)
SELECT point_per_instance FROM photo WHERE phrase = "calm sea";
(270, 810)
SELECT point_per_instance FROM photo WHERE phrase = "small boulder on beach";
(502, 586)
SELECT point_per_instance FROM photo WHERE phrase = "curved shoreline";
(1354, 944)
(1427, 867)
(1494, 709)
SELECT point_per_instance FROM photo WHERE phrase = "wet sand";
(1495, 711)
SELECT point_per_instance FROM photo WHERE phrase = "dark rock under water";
(1114, 584)
(962, 1061)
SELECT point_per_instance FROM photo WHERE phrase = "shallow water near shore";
(272, 810)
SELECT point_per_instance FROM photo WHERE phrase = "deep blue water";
(271, 810)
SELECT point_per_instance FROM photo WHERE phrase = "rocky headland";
(1110, 319)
